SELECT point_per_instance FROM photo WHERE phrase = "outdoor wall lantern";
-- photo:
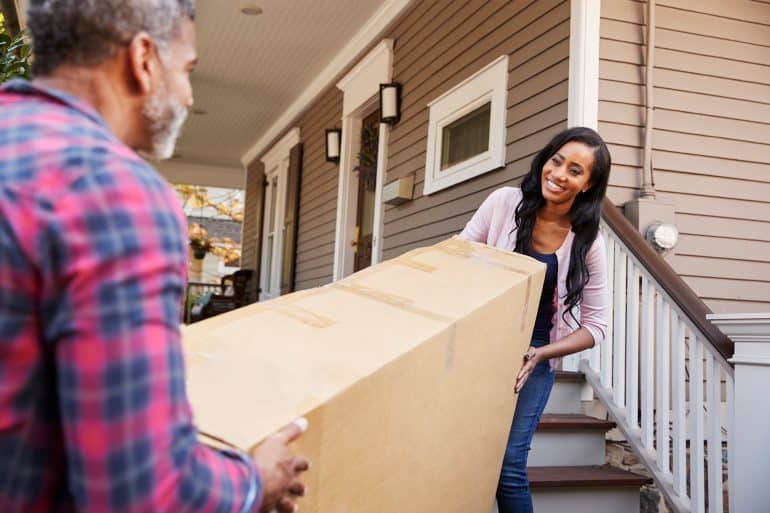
(390, 103)
(333, 143)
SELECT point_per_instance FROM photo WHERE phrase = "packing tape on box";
(304, 316)
(465, 249)
(393, 300)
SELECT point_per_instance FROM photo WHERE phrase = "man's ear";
(142, 62)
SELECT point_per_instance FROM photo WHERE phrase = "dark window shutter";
(290, 223)
(258, 176)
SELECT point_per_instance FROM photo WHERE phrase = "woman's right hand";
(531, 359)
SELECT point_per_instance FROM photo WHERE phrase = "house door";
(366, 169)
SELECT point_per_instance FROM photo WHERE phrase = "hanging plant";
(14, 56)
(367, 157)
(199, 241)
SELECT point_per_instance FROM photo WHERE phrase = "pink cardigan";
(493, 224)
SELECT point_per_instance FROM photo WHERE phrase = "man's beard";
(165, 118)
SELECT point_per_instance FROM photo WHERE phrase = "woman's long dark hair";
(585, 213)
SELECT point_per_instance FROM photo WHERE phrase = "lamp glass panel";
(466, 137)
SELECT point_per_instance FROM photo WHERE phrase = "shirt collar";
(22, 86)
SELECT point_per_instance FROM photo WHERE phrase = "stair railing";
(662, 372)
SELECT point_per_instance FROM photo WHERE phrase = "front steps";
(567, 470)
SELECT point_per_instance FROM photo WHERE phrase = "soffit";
(252, 68)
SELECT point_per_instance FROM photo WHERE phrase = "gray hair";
(86, 32)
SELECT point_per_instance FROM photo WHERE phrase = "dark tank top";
(543, 322)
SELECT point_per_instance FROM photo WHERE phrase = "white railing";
(670, 392)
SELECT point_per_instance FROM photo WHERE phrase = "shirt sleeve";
(595, 303)
(477, 229)
(116, 287)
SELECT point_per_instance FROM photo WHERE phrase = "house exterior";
(565, 63)
(695, 145)
(484, 84)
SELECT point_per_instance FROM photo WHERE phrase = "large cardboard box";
(405, 371)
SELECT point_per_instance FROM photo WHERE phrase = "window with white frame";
(466, 128)
(276, 162)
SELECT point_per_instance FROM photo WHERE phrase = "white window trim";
(490, 84)
(276, 162)
(360, 89)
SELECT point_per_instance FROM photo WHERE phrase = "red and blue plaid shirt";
(93, 411)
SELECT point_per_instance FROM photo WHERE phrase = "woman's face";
(567, 173)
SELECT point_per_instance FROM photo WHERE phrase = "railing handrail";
(685, 298)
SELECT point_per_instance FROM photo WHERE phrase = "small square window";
(466, 129)
(466, 137)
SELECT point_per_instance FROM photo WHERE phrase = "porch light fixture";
(390, 103)
(333, 142)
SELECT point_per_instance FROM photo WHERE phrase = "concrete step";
(569, 439)
(585, 489)
(565, 395)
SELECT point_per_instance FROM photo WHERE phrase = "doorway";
(366, 169)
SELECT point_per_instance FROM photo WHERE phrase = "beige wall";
(437, 45)
(440, 45)
(318, 197)
(711, 143)
(318, 194)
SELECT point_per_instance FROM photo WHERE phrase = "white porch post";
(750, 453)
(583, 102)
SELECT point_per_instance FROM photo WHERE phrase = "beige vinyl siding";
(318, 193)
(439, 45)
(317, 201)
(711, 138)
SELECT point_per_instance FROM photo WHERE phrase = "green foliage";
(14, 56)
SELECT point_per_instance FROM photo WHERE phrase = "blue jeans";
(513, 494)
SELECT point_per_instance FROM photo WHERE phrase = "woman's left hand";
(531, 358)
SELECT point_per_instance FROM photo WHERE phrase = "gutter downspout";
(647, 190)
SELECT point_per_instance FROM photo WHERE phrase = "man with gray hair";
(93, 264)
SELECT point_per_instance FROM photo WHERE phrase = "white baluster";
(647, 368)
(730, 425)
(679, 427)
(619, 330)
(662, 368)
(606, 373)
(697, 475)
(714, 434)
(632, 345)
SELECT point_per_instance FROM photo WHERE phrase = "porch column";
(750, 465)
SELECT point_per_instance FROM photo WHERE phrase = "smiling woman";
(553, 218)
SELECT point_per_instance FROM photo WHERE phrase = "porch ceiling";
(252, 68)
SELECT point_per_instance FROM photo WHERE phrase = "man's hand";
(280, 469)
(531, 358)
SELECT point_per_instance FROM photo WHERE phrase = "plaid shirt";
(93, 411)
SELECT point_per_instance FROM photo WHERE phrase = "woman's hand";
(531, 358)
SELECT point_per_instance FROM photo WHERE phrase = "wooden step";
(595, 476)
(572, 421)
(569, 377)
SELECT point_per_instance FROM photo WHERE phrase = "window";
(466, 129)
(274, 214)
(466, 137)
